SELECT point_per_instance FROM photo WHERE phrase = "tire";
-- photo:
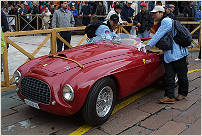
(97, 109)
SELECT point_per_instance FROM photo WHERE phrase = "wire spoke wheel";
(104, 101)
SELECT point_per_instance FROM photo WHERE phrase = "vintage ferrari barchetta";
(88, 79)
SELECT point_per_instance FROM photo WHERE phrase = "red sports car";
(89, 78)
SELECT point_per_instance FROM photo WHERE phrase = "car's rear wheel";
(100, 102)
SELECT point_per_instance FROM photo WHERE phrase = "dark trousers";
(65, 35)
(178, 67)
(86, 20)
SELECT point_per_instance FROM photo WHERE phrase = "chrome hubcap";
(104, 101)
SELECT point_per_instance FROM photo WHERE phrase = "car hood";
(85, 54)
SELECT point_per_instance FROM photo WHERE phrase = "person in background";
(75, 13)
(151, 5)
(4, 28)
(174, 60)
(12, 10)
(34, 10)
(100, 10)
(27, 7)
(63, 18)
(23, 12)
(5, 10)
(117, 10)
(169, 12)
(46, 18)
(106, 31)
(127, 14)
(86, 13)
(198, 19)
(4, 22)
(3, 45)
(42, 7)
(93, 5)
(172, 8)
(189, 12)
(134, 6)
(143, 21)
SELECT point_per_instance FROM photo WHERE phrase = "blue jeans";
(145, 34)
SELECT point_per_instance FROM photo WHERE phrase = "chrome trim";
(71, 90)
(31, 99)
(104, 101)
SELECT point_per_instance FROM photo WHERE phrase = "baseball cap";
(115, 18)
(143, 4)
(117, 7)
(158, 8)
(171, 5)
(129, 2)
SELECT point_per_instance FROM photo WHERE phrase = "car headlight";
(16, 76)
(68, 92)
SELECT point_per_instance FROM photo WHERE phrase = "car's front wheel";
(100, 102)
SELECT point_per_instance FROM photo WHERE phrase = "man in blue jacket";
(106, 31)
(174, 60)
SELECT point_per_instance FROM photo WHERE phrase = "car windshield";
(127, 39)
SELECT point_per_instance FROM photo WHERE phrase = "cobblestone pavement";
(145, 116)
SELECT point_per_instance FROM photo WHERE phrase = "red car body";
(131, 69)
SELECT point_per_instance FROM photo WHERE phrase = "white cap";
(158, 8)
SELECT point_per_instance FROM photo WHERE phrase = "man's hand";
(125, 22)
(138, 24)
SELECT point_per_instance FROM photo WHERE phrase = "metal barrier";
(52, 34)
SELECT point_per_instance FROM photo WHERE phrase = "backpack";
(166, 42)
(91, 28)
(183, 36)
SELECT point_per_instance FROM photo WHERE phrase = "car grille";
(35, 90)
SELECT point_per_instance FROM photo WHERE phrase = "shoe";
(197, 59)
(167, 100)
(180, 97)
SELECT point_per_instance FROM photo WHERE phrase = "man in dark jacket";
(100, 10)
(4, 22)
(190, 12)
(143, 21)
(127, 14)
(86, 13)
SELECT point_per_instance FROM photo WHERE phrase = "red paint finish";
(131, 68)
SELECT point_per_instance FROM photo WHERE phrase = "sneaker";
(197, 59)
(180, 97)
(167, 100)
